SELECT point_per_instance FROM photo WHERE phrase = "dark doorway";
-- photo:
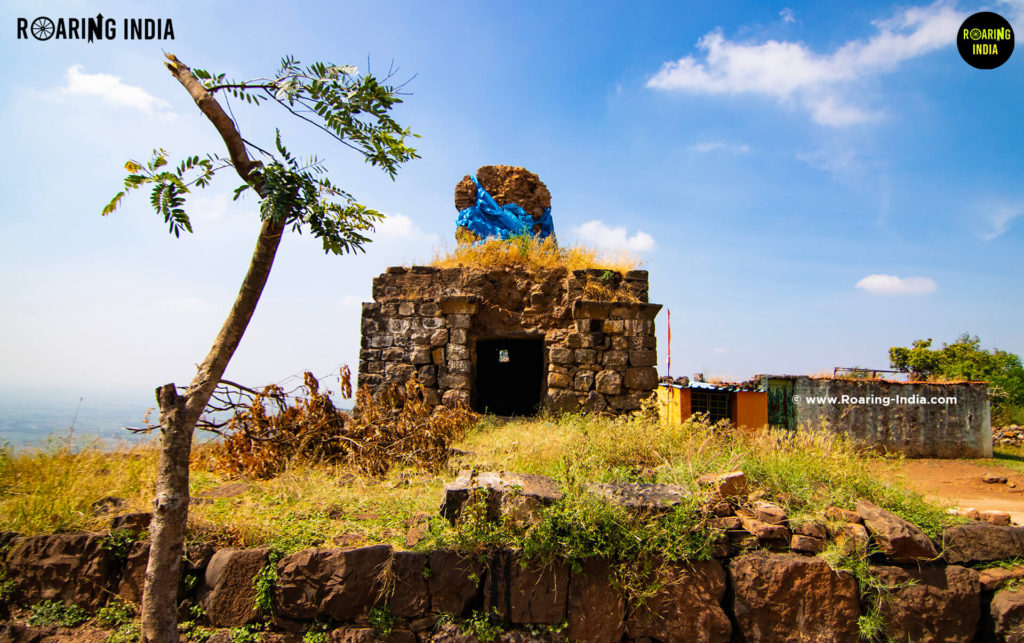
(509, 376)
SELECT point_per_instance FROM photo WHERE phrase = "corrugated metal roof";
(712, 387)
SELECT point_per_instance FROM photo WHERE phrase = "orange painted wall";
(750, 409)
(673, 404)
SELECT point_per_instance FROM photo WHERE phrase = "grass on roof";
(525, 251)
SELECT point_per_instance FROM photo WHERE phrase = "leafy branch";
(351, 108)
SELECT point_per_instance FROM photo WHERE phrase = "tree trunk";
(179, 413)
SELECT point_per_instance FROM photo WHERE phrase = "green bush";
(53, 612)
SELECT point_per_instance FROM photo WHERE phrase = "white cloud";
(893, 285)
(111, 89)
(1012, 10)
(792, 74)
(787, 15)
(396, 226)
(1000, 218)
(720, 146)
(597, 233)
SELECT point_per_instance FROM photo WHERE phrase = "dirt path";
(960, 482)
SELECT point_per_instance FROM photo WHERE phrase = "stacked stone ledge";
(758, 587)
(425, 321)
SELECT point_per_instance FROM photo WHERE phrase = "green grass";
(51, 490)
(1009, 456)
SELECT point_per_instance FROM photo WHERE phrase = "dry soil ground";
(960, 483)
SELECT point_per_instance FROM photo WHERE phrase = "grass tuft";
(527, 252)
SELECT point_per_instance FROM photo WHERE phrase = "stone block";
(686, 608)
(609, 382)
(341, 584)
(228, 593)
(615, 359)
(457, 351)
(643, 378)
(528, 594)
(454, 582)
(420, 355)
(73, 568)
(613, 326)
(788, 597)
(460, 321)
(427, 309)
(584, 381)
(931, 603)
(431, 323)
(899, 540)
(398, 372)
(596, 612)
(560, 355)
(643, 358)
(454, 397)
(559, 380)
(982, 542)
(460, 365)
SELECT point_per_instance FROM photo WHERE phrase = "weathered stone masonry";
(598, 356)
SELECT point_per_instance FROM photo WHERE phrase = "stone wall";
(599, 356)
(764, 585)
(908, 423)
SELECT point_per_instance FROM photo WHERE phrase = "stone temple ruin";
(508, 341)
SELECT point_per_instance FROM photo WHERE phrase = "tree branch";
(216, 114)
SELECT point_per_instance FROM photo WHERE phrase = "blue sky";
(808, 183)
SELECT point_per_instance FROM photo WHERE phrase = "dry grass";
(318, 504)
(533, 255)
(53, 489)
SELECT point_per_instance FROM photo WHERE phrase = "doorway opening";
(509, 376)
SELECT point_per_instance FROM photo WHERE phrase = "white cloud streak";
(792, 74)
(893, 285)
(112, 90)
(396, 226)
(720, 146)
(599, 234)
(1000, 218)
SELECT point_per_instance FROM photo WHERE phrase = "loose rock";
(982, 542)
(507, 184)
(898, 539)
(520, 495)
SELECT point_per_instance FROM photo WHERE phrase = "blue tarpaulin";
(488, 219)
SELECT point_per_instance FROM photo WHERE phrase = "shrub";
(395, 426)
(53, 612)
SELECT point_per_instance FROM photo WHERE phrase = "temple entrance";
(509, 376)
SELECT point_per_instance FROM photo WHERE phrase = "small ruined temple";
(510, 341)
